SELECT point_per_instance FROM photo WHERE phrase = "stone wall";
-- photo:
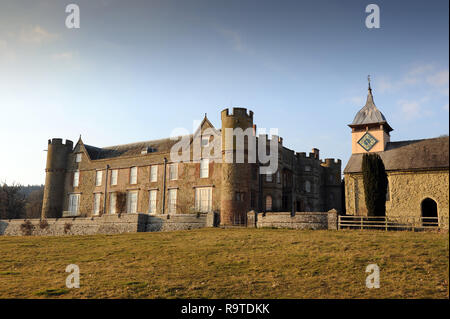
(407, 190)
(108, 224)
(175, 222)
(301, 220)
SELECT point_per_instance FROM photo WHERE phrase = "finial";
(368, 79)
(205, 115)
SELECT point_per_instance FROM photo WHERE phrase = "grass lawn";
(227, 263)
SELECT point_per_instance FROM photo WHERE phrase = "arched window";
(268, 203)
(429, 212)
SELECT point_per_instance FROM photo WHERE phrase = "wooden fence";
(390, 223)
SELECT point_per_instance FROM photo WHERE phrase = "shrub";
(375, 184)
(43, 224)
(67, 227)
(27, 228)
(121, 202)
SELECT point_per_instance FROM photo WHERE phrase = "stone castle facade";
(84, 180)
(418, 170)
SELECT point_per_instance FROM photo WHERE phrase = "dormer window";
(147, 150)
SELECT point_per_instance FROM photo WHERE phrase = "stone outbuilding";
(418, 170)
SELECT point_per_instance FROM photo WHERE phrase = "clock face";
(367, 141)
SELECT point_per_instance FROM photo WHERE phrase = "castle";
(417, 170)
(84, 180)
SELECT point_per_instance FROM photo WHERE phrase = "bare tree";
(33, 206)
(12, 202)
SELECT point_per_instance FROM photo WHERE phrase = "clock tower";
(370, 130)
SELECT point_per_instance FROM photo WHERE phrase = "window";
(205, 141)
(112, 203)
(132, 197)
(172, 200)
(133, 175)
(308, 186)
(268, 203)
(153, 173)
(78, 158)
(278, 177)
(173, 171)
(97, 199)
(152, 202)
(74, 203)
(76, 178)
(204, 168)
(98, 178)
(239, 196)
(331, 178)
(268, 177)
(203, 199)
(307, 168)
(114, 174)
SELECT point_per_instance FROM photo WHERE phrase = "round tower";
(55, 173)
(236, 177)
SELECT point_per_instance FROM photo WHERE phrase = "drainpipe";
(106, 189)
(164, 186)
(293, 195)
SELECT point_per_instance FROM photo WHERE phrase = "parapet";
(59, 141)
(237, 112)
(278, 139)
(330, 162)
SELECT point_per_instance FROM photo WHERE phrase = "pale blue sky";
(136, 70)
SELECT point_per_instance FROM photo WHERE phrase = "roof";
(162, 145)
(369, 114)
(429, 153)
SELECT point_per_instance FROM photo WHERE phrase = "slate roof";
(432, 153)
(162, 145)
(369, 114)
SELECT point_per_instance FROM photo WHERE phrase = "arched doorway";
(429, 212)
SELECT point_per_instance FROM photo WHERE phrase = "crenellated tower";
(236, 190)
(55, 173)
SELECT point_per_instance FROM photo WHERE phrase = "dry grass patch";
(227, 263)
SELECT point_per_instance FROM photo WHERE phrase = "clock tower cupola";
(370, 129)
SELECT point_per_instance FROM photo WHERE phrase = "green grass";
(227, 263)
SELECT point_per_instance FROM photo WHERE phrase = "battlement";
(331, 162)
(237, 112)
(268, 140)
(59, 141)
